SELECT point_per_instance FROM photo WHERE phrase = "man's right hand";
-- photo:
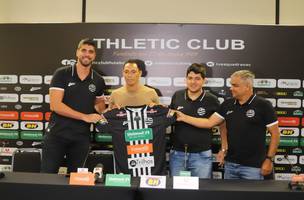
(92, 118)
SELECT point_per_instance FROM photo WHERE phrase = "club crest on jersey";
(149, 121)
(92, 88)
(250, 113)
(201, 111)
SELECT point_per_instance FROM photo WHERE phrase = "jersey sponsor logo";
(214, 82)
(289, 103)
(147, 161)
(31, 116)
(31, 98)
(139, 148)
(201, 111)
(289, 131)
(289, 83)
(9, 115)
(30, 79)
(12, 125)
(272, 101)
(71, 84)
(92, 88)
(159, 81)
(250, 113)
(9, 97)
(31, 126)
(8, 79)
(289, 121)
(138, 134)
(179, 82)
(111, 80)
(281, 159)
(264, 83)
(47, 79)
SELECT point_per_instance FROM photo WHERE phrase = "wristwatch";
(270, 158)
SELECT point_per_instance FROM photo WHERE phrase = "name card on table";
(185, 182)
(153, 182)
(82, 178)
(121, 180)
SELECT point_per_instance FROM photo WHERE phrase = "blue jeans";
(199, 164)
(237, 171)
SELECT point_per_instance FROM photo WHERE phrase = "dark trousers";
(55, 148)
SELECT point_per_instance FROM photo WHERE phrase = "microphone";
(2, 175)
(297, 181)
(98, 173)
(86, 158)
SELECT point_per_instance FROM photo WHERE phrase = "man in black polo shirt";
(247, 117)
(76, 92)
(191, 145)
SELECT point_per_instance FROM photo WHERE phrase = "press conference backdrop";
(31, 52)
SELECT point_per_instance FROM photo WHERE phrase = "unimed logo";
(9, 115)
(32, 116)
(289, 121)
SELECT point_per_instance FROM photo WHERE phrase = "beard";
(85, 64)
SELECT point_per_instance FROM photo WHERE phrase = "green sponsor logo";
(185, 173)
(121, 180)
(302, 142)
(138, 134)
(9, 135)
(297, 150)
(298, 113)
(286, 141)
(31, 135)
(298, 94)
(103, 137)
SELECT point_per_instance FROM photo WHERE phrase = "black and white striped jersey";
(138, 136)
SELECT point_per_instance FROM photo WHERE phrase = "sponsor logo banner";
(283, 176)
(179, 82)
(8, 79)
(264, 83)
(139, 148)
(289, 121)
(6, 168)
(47, 116)
(215, 82)
(31, 135)
(31, 98)
(9, 97)
(32, 116)
(29, 125)
(9, 115)
(289, 83)
(159, 81)
(111, 80)
(301, 160)
(298, 94)
(286, 141)
(289, 103)
(289, 131)
(47, 79)
(9, 135)
(30, 79)
(290, 159)
(7, 151)
(103, 137)
(138, 134)
(14, 125)
(141, 162)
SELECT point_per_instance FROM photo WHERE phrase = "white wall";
(152, 11)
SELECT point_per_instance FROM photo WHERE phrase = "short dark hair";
(197, 69)
(140, 65)
(87, 41)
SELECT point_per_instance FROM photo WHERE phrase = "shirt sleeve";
(58, 80)
(270, 116)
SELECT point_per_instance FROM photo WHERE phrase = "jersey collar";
(200, 98)
(248, 102)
